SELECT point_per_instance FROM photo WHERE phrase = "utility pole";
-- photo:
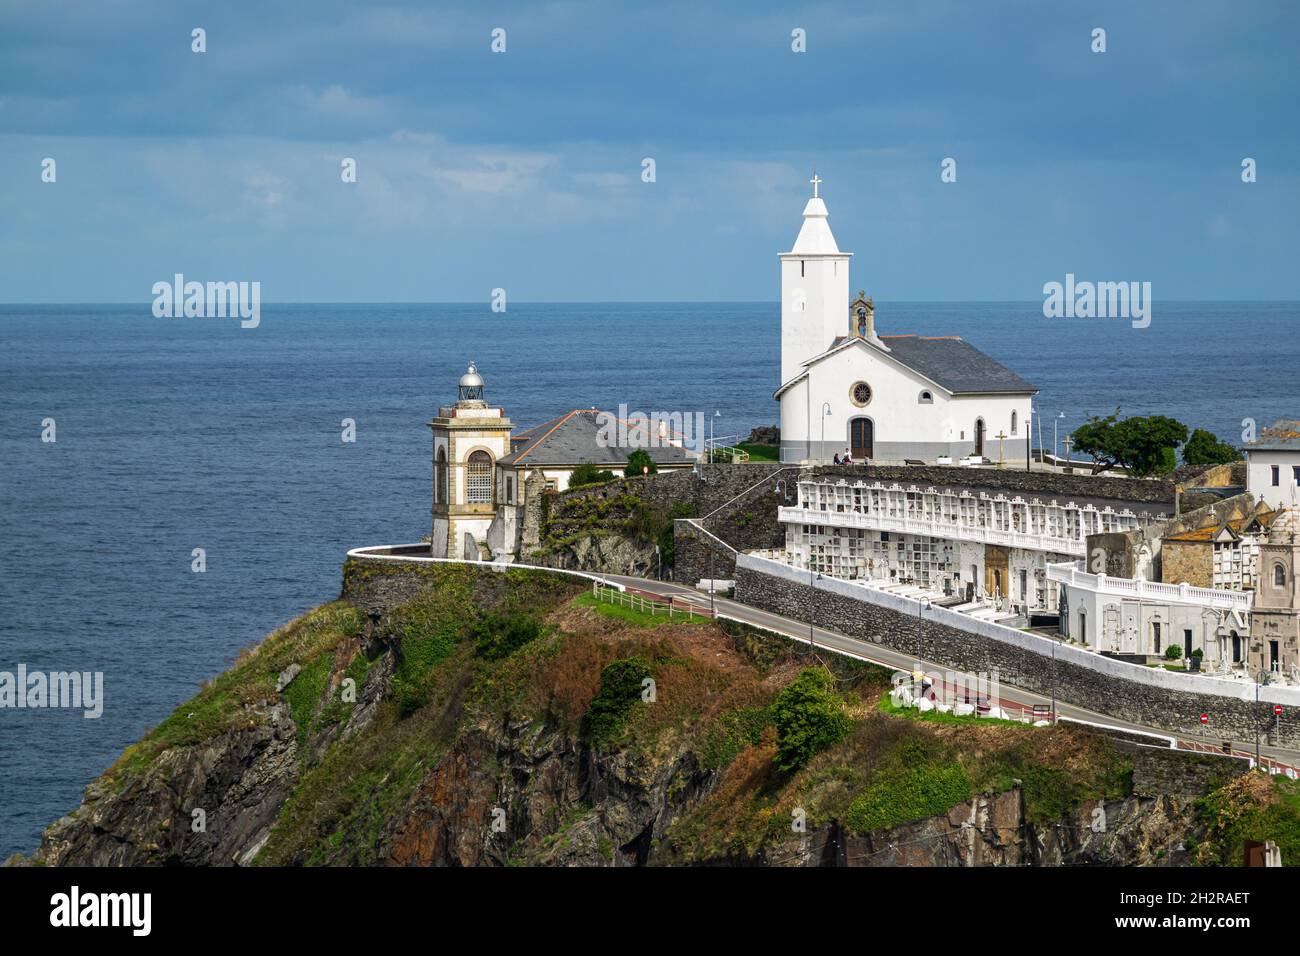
(712, 611)
(812, 605)
(1029, 443)
(1256, 722)
(1053, 681)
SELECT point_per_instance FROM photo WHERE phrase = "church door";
(862, 438)
(979, 437)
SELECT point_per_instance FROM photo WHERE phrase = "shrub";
(620, 689)
(588, 474)
(637, 461)
(496, 636)
(1173, 653)
(809, 717)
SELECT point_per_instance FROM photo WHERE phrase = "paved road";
(798, 630)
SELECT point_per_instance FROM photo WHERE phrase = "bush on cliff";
(809, 717)
(620, 689)
(496, 636)
(914, 792)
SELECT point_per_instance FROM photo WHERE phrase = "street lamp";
(826, 413)
(1055, 451)
(716, 414)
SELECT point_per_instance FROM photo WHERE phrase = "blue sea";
(176, 434)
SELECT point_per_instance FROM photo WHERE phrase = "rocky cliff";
(448, 716)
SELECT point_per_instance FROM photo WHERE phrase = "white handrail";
(1069, 573)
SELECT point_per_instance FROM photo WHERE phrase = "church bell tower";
(814, 289)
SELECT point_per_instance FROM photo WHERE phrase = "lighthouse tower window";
(478, 478)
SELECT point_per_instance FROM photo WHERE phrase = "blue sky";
(522, 170)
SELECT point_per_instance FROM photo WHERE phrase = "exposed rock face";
(991, 830)
(553, 800)
(607, 554)
(238, 781)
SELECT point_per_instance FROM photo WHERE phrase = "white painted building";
(469, 438)
(1273, 464)
(888, 398)
(1136, 617)
(957, 542)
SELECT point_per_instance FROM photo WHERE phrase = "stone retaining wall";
(1043, 484)
(1149, 696)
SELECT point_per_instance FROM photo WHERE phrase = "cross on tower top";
(816, 181)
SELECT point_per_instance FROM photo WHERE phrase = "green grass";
(304, 693)
(633, 615)
(761, 452)
(909, 793)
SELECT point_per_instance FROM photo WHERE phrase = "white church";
(885, 398)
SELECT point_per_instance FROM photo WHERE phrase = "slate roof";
(955, 364)
(572, 438)
(947, 360)
(1282, 435)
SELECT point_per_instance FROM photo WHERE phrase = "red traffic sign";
(1277, 708)
(1205, 718)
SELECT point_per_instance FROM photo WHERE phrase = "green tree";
(809, 717)
(588, 474)
(637, 461)
(1204, 448)
(1143, 445)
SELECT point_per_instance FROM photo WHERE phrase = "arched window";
(478, 478)
(1014, 420)
(1279, 575)
(926, 398)
(440, 477)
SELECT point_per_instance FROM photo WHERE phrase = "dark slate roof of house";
(955, 364)
(574, 437)
(1283, 435)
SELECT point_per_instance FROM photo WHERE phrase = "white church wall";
(814, 307)
(905, 427)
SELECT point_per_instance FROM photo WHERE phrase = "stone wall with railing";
(1152, 697)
